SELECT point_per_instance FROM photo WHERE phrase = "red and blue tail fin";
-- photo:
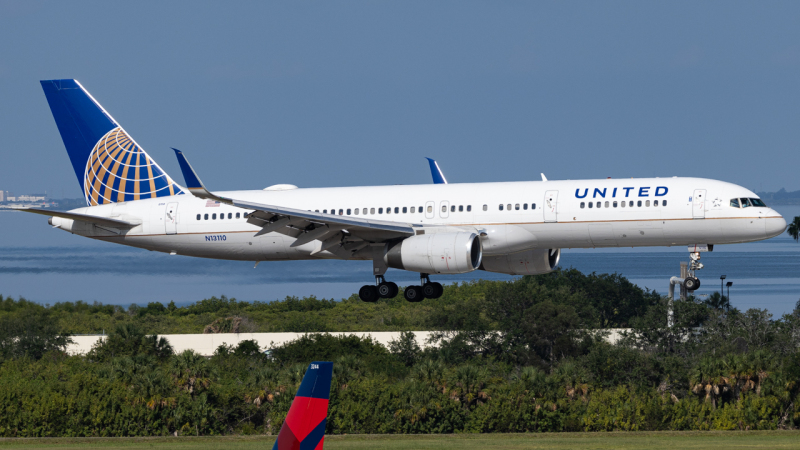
(304, 428)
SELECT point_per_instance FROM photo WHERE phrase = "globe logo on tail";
(119, 170)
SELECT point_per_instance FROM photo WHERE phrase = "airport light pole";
(729, 284)
(721, 281)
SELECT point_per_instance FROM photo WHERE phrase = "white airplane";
(515, 228)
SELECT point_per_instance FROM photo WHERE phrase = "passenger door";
(171, 218)
(550, 206)
(699, 204)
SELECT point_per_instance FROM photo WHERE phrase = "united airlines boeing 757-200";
(515, 228)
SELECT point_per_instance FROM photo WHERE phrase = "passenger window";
(453, 208)
(420, 209)
(655, 202)
(501, 207)
(639, 203)
(205, 217)
(663, 203)
(533, 205)
(238, 216)
(430, 209)
(324, 211)
(525, 206)
(341, 213)
(230, 215)
(622, 204)
(214, 216)
(745, 203)
(630, 204)
(485, 207)
(372, 210)
(198, 217)
(405, 209)
(509, 206)
(615, 204)
(380, 210)
(469, 208)
(388, 210)
(246, 215)
(647, 203)
(599, 204)
(516, 207)
(221, 216)
(606, 204)
(348, 211)
(444, 208)
(460, 208)
(591, 205)
(583, 205)
(396, 210)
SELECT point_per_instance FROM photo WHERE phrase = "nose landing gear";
(691, 283)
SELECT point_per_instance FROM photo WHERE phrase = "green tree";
(406, 349)
(30, 332)
(794, 228)
(129, 340)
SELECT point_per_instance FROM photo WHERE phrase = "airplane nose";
(775, 224)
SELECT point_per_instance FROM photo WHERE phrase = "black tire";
(388, 290)
(691, 283)
(413, 294)
(429, 290)
(439, 289)
(368, 293)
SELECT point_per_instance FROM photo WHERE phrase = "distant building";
(2, 196)
(30, 198)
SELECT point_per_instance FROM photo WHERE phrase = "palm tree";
(794, 229)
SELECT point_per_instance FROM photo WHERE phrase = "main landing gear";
(428, 289)
(381, 289)
(388, 289)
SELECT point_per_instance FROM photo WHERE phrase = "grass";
(645, 440)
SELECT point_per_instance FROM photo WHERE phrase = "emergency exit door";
(551, 206)
(171, 218)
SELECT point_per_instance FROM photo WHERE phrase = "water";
(47, 266)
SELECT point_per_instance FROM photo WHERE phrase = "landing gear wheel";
(432, 290)
(388, 290)
(414, 293)
(368, 293)
(691, 283)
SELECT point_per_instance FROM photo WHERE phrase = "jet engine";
(531, 262)
(436, 253)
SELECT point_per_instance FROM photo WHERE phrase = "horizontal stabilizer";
(101, 221)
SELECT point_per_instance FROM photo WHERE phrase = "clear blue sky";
(344, 93)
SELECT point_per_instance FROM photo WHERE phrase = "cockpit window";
(758, 202)
(735, 202)
(745, 202)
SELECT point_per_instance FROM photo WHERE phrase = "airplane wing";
(436, 172)
(101, 221)
(305, 226)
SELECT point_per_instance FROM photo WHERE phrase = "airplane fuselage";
(512, 216)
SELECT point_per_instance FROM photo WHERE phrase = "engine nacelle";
(437, 253)
(531, 262)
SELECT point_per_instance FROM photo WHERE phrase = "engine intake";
(531, 262)
(437, 253)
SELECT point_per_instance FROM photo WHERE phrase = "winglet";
(544, 178)
(193, 182)
(436, 172)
